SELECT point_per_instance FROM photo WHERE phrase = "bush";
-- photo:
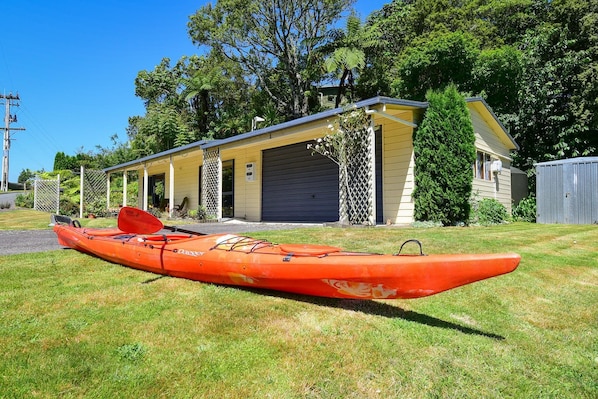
(155, 212)
(24, 200)
(68, 207)
(525, 210)
(97, 208)
(488, 212)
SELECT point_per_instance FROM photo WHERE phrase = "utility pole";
(8, 119)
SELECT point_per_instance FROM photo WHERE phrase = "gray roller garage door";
(297, 186)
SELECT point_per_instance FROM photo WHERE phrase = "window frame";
(482, 167)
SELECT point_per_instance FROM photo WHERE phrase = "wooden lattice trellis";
(92, 189)
(212, 184)
(46, 195)
(361, 187)
(351, 144)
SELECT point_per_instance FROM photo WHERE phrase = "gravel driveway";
(18, 241)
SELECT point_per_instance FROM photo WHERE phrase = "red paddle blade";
(133, 220)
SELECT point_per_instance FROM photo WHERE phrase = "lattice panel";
(361, 184)
(94, 185)
(46, 195)
(361, 179)
(211, 180)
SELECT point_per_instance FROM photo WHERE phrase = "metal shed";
(567, 191)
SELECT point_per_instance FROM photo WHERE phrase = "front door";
(156, 190)
(228, 185)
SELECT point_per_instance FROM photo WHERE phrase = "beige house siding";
(247, 194)
(397, 170)
(397, 159)
(489, 141)
(186, 176)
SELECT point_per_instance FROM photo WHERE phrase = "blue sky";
(74, 63)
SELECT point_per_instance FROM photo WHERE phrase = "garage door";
(297, 186)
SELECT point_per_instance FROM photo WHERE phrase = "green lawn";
(74, 326)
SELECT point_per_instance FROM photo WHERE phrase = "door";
(298, 186)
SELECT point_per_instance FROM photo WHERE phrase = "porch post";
(145, 183)
(81, 191)
(372, 149)
(171, 188)
(108, 190)
(125, 174)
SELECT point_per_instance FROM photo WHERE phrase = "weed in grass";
(131, 352)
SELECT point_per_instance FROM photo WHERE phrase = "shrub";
(155, 212)
(198, 214)
(97, 207)
(488, 212)
(525, 210)
(68, 207)
(24, 200)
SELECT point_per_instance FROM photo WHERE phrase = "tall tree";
(347, 56)
(160, 85)
(497, 75)
(394, 37)
(558, 113)
(509, 21)
(444, 150)
(445, 59)
(275, 41)
(215, 90)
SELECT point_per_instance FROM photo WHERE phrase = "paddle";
(134, 220)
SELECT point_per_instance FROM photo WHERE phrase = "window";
(482, 168)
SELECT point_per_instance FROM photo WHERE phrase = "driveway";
(8, 198)
(27, 241)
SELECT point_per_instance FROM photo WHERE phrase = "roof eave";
(498, 122)
(141, 161)
(371, 102)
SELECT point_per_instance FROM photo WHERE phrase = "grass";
(74, 326)
(28, 219)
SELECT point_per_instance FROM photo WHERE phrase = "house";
(270, 175)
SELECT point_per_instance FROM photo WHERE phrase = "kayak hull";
(315, 270)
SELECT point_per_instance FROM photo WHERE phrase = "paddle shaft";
(179, 230)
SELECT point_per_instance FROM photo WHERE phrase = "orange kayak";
(316, 270)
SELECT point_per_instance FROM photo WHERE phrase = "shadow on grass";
(377, 309)
(364, 306)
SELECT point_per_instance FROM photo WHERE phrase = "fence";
(46, 195)
(92, 193)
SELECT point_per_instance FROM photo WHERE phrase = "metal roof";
(156, 156)
(568, 160)
(312, 118)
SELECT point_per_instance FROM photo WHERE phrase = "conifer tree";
(444, 150)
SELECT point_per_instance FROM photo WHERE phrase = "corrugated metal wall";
(567, 191)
